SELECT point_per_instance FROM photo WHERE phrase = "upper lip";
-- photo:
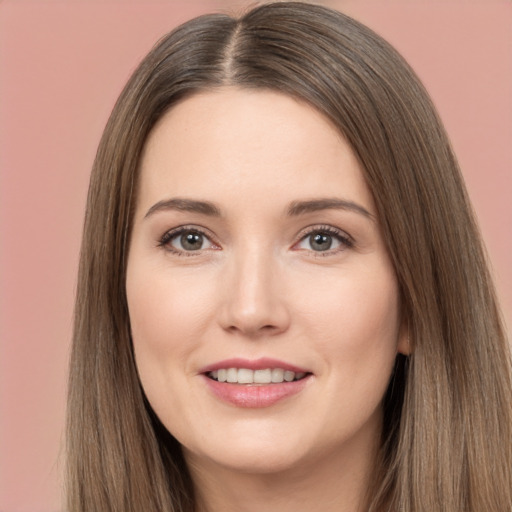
(252, 364)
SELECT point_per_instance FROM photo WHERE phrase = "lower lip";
(257, 395)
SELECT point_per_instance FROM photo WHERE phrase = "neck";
(332, 482)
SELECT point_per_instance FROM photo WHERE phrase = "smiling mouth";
(263, 376)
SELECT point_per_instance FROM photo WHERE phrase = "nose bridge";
(255, 302)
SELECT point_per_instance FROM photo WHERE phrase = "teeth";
(277, 375)
(289, 376)
(246, 376)
(262, 376)
(232, 375)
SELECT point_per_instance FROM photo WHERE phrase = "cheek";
(358, 307)
(167, 315)
(355, 328)
(355, 325)
(165, 308)
(167, 323)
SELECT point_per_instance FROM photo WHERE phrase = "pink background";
(62, 66)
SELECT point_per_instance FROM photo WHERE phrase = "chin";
(273, 456)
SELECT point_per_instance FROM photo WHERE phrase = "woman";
(283, 299)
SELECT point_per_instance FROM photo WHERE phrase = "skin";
(258, 287)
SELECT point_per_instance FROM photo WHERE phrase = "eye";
(324, 239)
(186, 240)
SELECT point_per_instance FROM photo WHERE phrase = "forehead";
(255, 143)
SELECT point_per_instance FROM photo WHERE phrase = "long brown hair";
(446, 444)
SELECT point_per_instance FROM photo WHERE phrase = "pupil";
(321, 242)
(192, 241)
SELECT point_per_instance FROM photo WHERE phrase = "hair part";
(448, 410)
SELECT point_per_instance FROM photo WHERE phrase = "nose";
(254, 298)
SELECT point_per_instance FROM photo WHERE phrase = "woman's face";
(264, 308)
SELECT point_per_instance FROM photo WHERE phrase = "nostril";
(254, 329)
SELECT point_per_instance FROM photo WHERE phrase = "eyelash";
(345, 240)
(168, 236)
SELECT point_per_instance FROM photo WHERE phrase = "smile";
(256, 383)
(248, 376)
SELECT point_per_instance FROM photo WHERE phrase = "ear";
(404, 345)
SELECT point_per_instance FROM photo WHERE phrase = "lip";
(254, 395)
(254, 364)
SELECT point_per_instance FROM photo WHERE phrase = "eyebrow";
(296, 208)
(185, 205)
(315, 205)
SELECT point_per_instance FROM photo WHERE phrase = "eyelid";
(345, 240)
(172, 233)
(343, 237)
